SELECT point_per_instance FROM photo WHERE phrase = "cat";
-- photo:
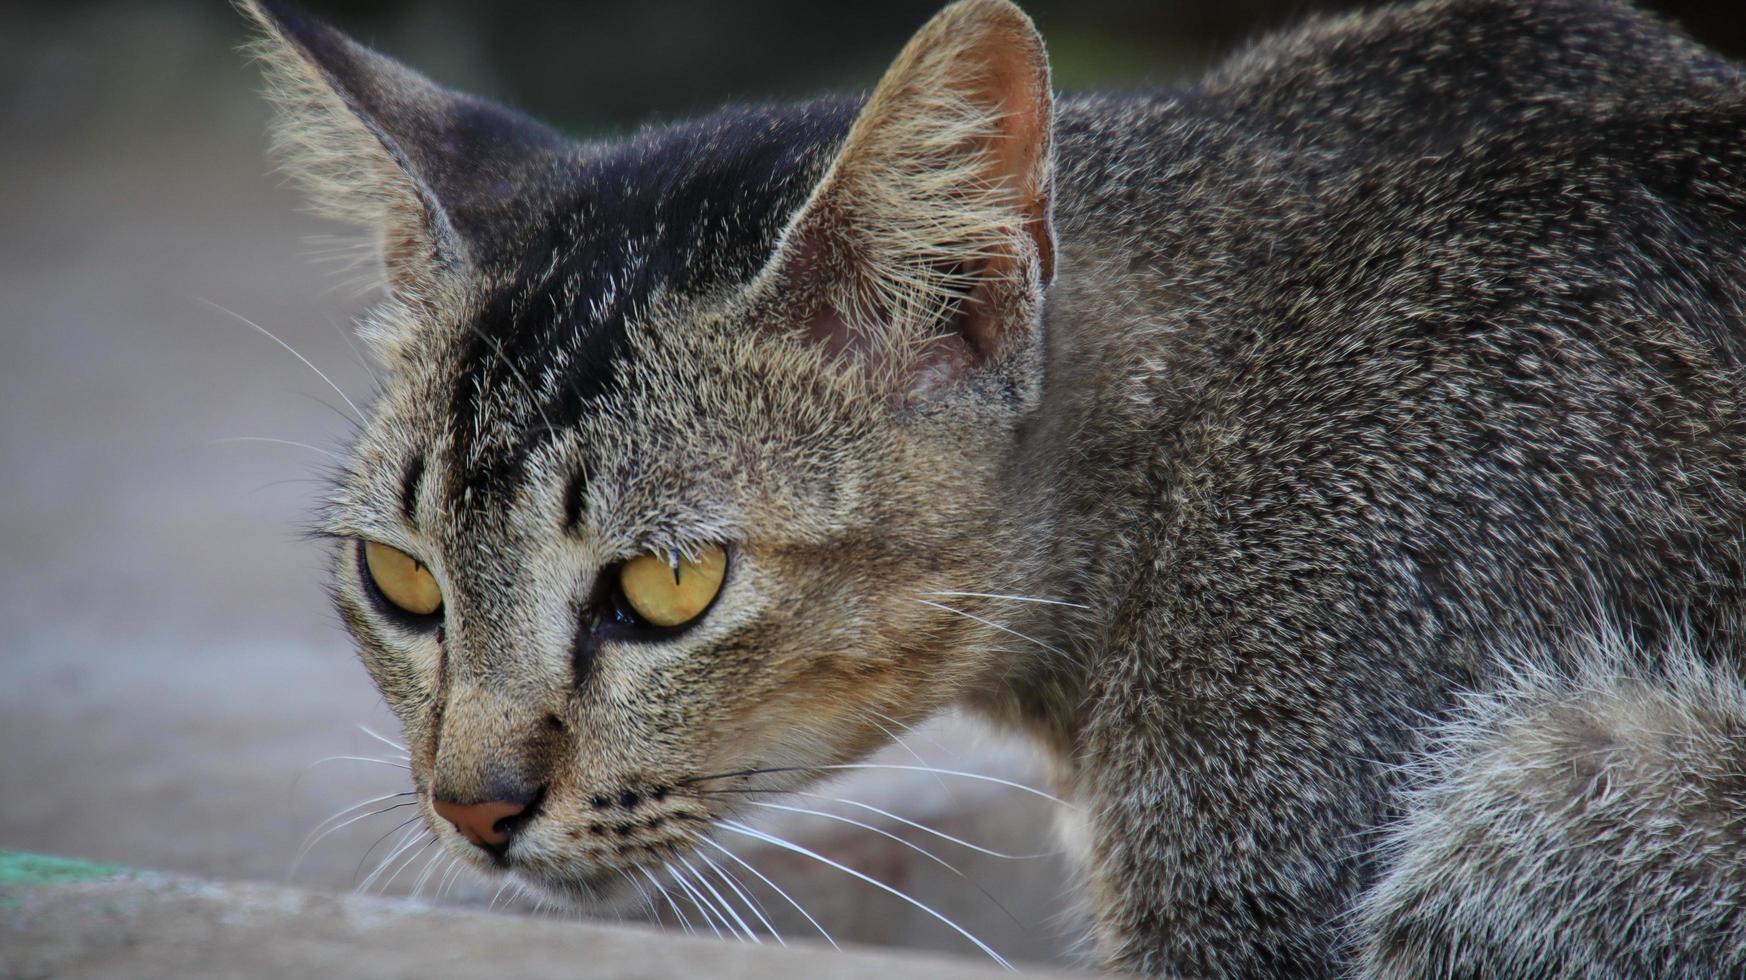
(1335, 466)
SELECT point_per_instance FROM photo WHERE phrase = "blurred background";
(170, 673)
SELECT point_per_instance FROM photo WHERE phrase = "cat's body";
(1398, 358)
(1382, 355)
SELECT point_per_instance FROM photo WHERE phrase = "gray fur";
(1402, 343)
(1582, 823)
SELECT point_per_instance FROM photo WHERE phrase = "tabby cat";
(1337, 466)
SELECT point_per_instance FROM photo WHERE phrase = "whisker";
(873, 716)
(1014, 598)
(704, 909)
(406, 841)
(297, 479)
(648, 903)
(430, 866)
(405, 863)
(335, 409)
(684, 922)
(851, 821)
(357, 758)
(718, 845)
(306, 362)
(913, 730)
(456, 867)
(725, 904)
(1004, 629)
(402, 826)
(912, 845)
(876, 765)
(741, 828)
(316, 835)
(357, 355)
(283, 442)
(752, 905)
(385, 740)
(924, 828)
(405, 855)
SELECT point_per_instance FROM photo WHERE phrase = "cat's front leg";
(1226, 797)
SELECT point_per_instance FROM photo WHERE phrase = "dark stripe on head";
(678, 211)
(409, 485)
(575, 499)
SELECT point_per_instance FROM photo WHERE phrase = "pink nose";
(480, 823)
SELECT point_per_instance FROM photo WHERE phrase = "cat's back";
(1448, 294)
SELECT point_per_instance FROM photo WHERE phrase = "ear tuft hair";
(446, 180)
(937, 207)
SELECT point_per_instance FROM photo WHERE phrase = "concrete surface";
(170, 674)
(64, 919)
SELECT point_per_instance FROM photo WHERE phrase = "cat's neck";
(1082, 472)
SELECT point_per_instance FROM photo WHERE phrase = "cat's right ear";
(923, 252)
(447, 181)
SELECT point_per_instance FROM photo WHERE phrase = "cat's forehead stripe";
(676, 212)
(409, 487)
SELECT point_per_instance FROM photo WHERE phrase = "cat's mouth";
(581, 850)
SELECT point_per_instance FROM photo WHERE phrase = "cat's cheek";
(425, 658)
(407, 674)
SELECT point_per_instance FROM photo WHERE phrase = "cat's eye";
(402, 580)
(664, 592)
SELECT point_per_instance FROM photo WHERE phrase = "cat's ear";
(924, 249)
(445, 179)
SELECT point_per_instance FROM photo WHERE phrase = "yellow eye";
(402, 579)
(669, 596)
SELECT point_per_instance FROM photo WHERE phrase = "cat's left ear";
(924, 250)
(446, 180)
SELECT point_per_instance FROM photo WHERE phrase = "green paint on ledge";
(18, 868)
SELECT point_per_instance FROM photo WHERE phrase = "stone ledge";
(64, 918)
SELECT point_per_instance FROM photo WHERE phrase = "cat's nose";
(490, 825)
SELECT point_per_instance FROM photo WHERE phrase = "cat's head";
(678, 433)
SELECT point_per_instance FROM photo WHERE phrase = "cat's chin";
(593, 893)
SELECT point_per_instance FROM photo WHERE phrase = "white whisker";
(913, 730)
(283, 442)
(752, 905)
(679, 913)
(924, 828)
(718, 845)
(406, 840)
(358, 758)
(315, 836)
(450, 875)
(306, 362)
(1004, 629)
(741, 828)
(385, 740)
(648, 903)
(1014, 598)
(430, 866)
(704, 909)
(851, 821)
(406, 862)
(1032, 790)
(726, 905)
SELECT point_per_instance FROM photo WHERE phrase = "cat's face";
(540, 672)
(733, 353)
